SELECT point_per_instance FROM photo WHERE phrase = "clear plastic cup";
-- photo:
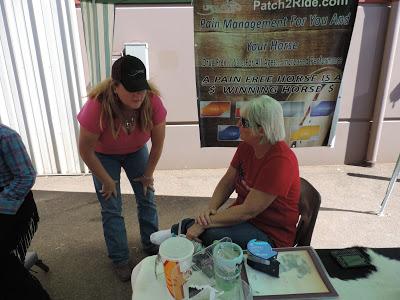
(227, 258)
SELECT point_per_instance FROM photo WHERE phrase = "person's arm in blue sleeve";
(20, 171)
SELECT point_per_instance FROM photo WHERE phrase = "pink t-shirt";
(89, 118)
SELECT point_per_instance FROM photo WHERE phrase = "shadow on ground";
(371, 176)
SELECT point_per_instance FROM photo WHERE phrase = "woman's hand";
(147, 182)
(194, 232)
(204, 218)
(109, 189)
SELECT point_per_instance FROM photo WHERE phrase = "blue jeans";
(240, 234)
(134, 165)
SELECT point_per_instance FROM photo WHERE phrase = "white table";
(383, 284)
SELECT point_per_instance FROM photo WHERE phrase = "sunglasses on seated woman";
(245, 123)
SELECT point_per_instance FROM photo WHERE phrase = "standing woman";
(120, 116)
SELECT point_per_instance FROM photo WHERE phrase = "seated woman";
(265, 174)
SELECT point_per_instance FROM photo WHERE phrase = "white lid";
(176, 248)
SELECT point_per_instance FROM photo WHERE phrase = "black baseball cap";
(131, 72)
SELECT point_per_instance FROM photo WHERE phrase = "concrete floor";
(70, 238)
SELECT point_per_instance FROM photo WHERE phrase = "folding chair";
(310, 201)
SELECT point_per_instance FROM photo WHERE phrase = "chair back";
(310, 201)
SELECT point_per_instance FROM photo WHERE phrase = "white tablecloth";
(384, 284)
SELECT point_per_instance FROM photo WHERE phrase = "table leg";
(389, 190)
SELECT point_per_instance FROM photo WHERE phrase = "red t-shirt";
(89, 118)
(277, 173)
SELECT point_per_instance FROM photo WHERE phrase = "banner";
(292, 50)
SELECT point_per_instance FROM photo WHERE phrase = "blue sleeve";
(17, 174)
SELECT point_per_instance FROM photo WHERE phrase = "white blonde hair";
(265, 112)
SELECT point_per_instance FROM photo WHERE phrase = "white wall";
(42, 80)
